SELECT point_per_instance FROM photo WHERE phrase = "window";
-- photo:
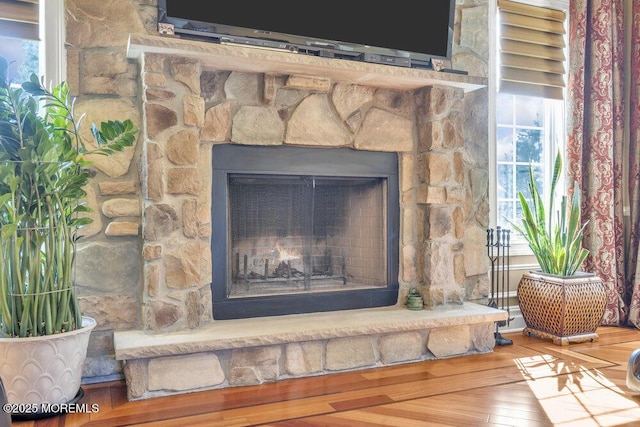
(529, 108)
(34, 43)
(528, 132)
(22, 55)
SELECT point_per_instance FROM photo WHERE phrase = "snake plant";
(43, 172)
(556, 240)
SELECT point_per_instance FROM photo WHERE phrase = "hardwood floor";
(529, 383)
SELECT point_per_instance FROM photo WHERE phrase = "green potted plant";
(559, 301)
(43, 172)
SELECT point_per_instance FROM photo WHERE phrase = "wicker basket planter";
(563, 309)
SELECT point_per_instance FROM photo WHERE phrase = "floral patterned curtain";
(595, 151)
(634, 170)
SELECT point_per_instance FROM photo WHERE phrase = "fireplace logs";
(320, 273)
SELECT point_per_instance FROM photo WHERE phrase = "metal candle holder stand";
(498, 243)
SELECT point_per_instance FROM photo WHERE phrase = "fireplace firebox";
(299, 230)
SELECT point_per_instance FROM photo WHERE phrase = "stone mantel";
(250, 59)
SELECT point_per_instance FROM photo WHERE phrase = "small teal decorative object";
(414, 300)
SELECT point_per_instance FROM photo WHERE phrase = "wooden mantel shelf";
(249, 59)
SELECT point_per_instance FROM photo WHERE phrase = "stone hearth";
(198, 94)
(252, 351)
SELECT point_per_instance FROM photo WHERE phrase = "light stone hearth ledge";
(255, 60)
(242, 333)
(252, 351)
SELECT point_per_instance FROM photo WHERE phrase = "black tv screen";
(403, 32)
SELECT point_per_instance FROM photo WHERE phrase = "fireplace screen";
(301, 234)
(299, 230)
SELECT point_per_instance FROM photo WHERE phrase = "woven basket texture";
(562, 307)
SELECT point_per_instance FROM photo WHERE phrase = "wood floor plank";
(504, 401)
(367, 402)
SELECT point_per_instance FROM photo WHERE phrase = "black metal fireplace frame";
(233, 159)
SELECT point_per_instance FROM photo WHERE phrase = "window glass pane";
(505, 182)
(505, 213)
(529, 111)
(504, 108)
(504, 144)
(518, 216)
(538, 177)
(522, 179)
(529, 145)
(23, 54)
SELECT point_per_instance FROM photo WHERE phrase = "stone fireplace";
(200, 99)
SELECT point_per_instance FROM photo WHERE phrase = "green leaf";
(43, 174)
(554, 236)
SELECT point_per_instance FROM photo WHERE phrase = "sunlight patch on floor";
(578, 396)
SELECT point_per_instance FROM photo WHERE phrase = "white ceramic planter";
(46, 369)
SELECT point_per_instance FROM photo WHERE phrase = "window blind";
(19, 18)
(532, 44)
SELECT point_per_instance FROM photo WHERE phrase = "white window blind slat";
(532, 63)
(528, 35)
(531, 10)
(533, 50)
(519, 75)
(538, 24)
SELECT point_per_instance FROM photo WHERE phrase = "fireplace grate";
(284, 277)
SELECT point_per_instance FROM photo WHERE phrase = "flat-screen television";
(402, 32)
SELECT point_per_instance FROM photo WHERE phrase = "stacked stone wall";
(123, 264)
(425, 128)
